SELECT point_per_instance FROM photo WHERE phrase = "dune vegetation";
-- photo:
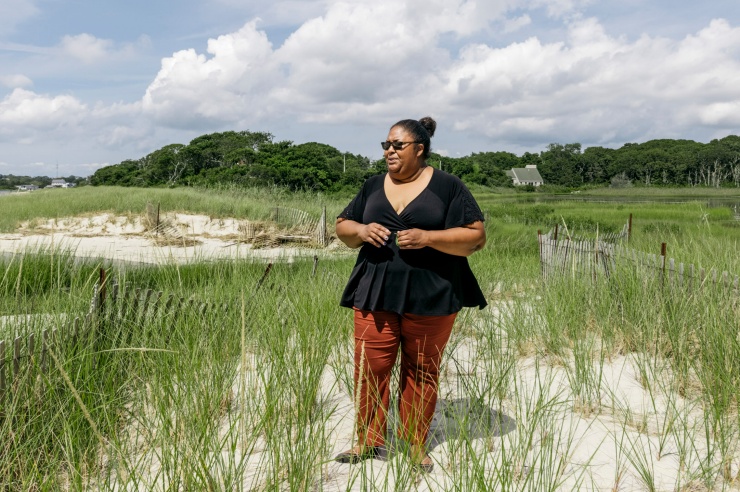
(576, 382)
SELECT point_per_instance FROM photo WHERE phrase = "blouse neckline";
(388, 201)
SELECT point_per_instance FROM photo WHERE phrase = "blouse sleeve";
(356, 207)
(463, 208)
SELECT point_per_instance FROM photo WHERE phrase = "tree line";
(11, 181)
(256, 159)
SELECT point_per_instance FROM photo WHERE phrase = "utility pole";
(344, 156)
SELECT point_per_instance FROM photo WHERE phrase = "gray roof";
(529, 174)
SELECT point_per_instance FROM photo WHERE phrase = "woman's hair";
(421, 131)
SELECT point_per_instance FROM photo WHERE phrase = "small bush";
(620, 181)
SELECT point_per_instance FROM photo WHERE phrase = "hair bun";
(429, 124)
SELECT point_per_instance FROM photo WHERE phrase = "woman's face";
(407, 161)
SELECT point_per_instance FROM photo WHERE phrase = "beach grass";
(573, 383)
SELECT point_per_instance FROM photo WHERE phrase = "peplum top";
(414, 281)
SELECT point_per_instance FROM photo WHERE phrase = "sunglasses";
(396, 145)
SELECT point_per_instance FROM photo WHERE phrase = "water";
(733, 203)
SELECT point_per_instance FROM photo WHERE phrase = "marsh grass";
(253, 203)
(569, 384)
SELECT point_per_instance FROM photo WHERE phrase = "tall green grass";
(257, 396)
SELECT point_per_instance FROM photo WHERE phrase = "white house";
(529, 175)
(28, 187)
(60, 183)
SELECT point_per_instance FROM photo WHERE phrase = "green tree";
(561, 165)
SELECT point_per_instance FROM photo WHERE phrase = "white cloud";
(26, 109)
(85, 47)
(30, 118)
(593, 85)
(721, 114)
(356, 54)
(353, 64)
(15, 80)
(359, 63)
(231, 85)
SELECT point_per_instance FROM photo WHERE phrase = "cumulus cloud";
(348, 59)
(85, 47)
(192, 89)
(596, 86)
(354, 63)
(358, 62)
(15, 80)
(27, 118)
(23, 108)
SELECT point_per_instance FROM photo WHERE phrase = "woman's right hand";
(374, 233)
(355, 234)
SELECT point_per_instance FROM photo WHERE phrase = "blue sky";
(85, 84)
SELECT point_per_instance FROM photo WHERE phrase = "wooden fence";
(574, 256)
(564, 253)
(594, 258)
(25, 358)
(304, 226)
(300, 225)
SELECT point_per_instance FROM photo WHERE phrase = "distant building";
(529, 175)
(27, 187)
(60, 183)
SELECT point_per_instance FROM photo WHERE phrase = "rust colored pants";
(378, 336)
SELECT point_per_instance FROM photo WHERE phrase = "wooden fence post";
(542, 260)
(264, 276)
(16, 357)
(320, 231)
(629, 228)
(663, 250)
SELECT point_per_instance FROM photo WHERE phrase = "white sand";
(124, 239)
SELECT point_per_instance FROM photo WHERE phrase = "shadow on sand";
(462, 418)
(467, 419)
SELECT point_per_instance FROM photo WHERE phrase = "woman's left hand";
(412, 239)
(460, 241)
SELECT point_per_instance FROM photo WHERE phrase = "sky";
(90, 83)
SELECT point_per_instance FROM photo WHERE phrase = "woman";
(415, 226)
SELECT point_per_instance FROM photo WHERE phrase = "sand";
(187, 238)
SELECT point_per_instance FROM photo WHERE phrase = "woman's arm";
(354, 234)
(458, 241)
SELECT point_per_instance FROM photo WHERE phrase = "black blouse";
(415, 281)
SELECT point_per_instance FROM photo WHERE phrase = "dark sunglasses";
(396, 145)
